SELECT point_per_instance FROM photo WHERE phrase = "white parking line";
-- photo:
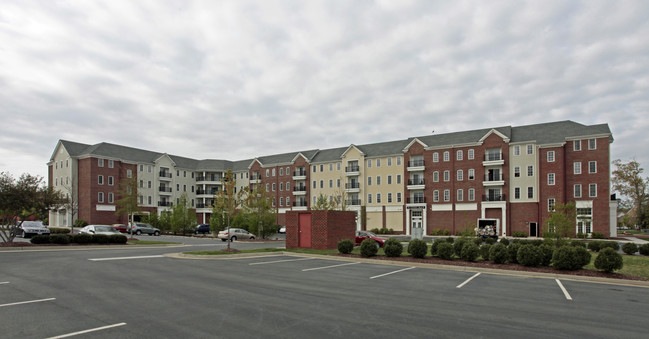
(565, 292)
(322, 268)
(276, 261)
(27, 302)
(383, 275)
(87, 331)
(127, 258)
(3, 282)
(467, 281)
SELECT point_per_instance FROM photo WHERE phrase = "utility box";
(319, 229)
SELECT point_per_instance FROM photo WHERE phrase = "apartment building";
(507, 177)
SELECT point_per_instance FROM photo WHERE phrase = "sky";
(239, 79)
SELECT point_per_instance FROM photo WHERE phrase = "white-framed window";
(338, 166)
(517, 171)
(268, 172)
(530, 192)
(471, 194)
(378, 162)
(281, 187)
(447, 195)
(471, 154)
(576, 168)
(100, 180)
(435, 195)
(460, 175)
(110, 198)
(398, 179)
(288, 201)
(149, 168)
(281, 172)
(378, 198)
(592, 144)
(149, 200)
(288, 172)
(141, 168)
(577, 190)
(517, 150)
(111, 164)
(592, 167)
(149, 184)
(337, 183)
(576, 145)
(273, 170)
(331, 167)
(389, 198)
(517, 192)
(268, 188)
(389, 179)
(460, 195)
(436, 176)
(369, 163)
(435, 157)
(369, 181)
(551, 204)
(281, 201)
(288, 185)
(369, 198)
(592, 190)
(100, 197)
(530, 171)
(398, 196)
(129, 173)
(399, 161)
(141, 183)
(111, 181)
(315, 184)
(321, 184)
(331, 183)
(550, 156)
(100, 162)
(378, 180)
(447, 156)
(551, 179)
(389, 161)
(530, 149)
(321, 169)
(447, 176)
(471, 174)
(459, 155)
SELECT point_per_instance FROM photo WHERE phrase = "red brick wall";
(522, 213)
(327, 228)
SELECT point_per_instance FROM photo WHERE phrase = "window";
(178, 187)
(149, 184)
(100, 197)
(550, 179)
(530, 192)
(100, 163)
(288, 200)
(321, 183)
(471, 154)
(369, 181)
(389, 161)
(447, 175)
(273, 187)
(141, 183)
(592, 144)
(517, 171)
(399, 161)
(435, 157)
(592, 167)
(281, 172)
(110, 198)
(141, 200)
(378, 162)
(577, 190)
(550, 156)
(369, 198)
(435, 195)
(389, 179)
(459, 155)
(141, 168)
(281, 187)
(111, 164)
(111, 181)
(530, 171)
(398, 179)
(447, 195)
(576, 168)
(471, 174)
(268, 187)
(460, 175)
(149, 200)
(460, 195)
(378, 181)
(435, 176)
(338, 166)
(576, 145)
(447, 156)
(530, 149)
(471, 194)
(369, 163)
(100, 180)
(268, 172)
(337, 183)
(288, 186)
(551, 204)
(517, 192)
(398, 196)
(331, 183)
(281, 201)
(592, 190)
(389, 198)
(378, 198)
(315, 184)
(178, 173)
(517, 150)
(129, 173)
(321, 169)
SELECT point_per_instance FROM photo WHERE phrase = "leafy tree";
(261, 213)
(627, 181)
(323, 204)
(563, 219)
(24, 198)
(183, 218)
(128, 198)
(225, 204)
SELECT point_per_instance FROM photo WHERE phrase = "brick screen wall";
(327, 228)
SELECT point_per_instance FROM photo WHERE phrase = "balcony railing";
(416, 163)
(165, 203)
(493, 177)
(299, 203)
(493, 157)
(416, 200)
(202, 205)
(353, 202)
(301, 173)
(494, 197)
(299, 189)
(164, 189)
(352, 168)
(208, 178)
(352, 185)
(415, 182)
(164, 174)
(255, 177)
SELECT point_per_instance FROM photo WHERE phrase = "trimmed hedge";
(40, 239)
(417, 248)
(470, 251)
(100, 239)
(82, 238)
(433, 247)
(504, 241)
(458, 245)
(578, 243)
(597, 235)
(512, 252)
(59, 230)
(570, 258)
(609, 260)
(392, 248)
(345, 246)
(369, 248)
(530, 255)
(498, 253)
(445, 251)
(478, 241)
(484, 251)
(644, 249)
(519, 234)
(61, 239)
(546, 251)
(490, 241)
(630, 248)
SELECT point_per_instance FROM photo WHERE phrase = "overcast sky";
(238, 79)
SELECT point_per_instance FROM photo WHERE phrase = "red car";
(120, 227)
(362, 235)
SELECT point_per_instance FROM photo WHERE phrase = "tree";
(260, 212)
(323, 204)
(225, 204)
(72, 203)
(183, 218)
(24, 198)
(627, 181)
(563, 219)
(128, 198)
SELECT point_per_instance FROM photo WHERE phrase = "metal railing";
(416, 163)
(415, 181)
(494, 197)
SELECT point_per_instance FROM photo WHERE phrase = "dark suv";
(203, 229)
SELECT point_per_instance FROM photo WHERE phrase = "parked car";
(142, 227)
(362, 235)
(282, 230)
(235, 233)
(202, 229)
(99, 229)
(120, 227)
(29, 228)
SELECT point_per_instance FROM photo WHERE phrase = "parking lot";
(144, 293)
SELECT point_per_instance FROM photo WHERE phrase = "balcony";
(494, 197)
(255, 179)
(493, 159)
(352, 187)
(416, 184)
(202, 205)
(299, 203)
(353, 202)
(164, 175)
(206, 192)
(164, 190)
(209, 178)
(299, 175)
(493, 180)
(416, 200)
(416, 165)
(352, 170)
(165, 203)
(299, 190)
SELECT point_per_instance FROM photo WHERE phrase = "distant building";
(507, 177)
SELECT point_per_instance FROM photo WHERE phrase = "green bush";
(450, 240)
(581, 235)
(59, 230)
(529, 255)
(99, 239)
(490, 241)
(568, 258)
(40, 239)
(80, 223)
(438, 231)
(546, 251)
(484, 251)
(445, 251)
(375, 230)
(466, 233)
(61, 239)
(470, 251)
(417, 248)
(512, 252)
(478, 241)
(548, 235)
(644, 249)
(434, 245)
(583, 256)
(117, 239)
(504, 241)
(369, 248)
(609, 260)
(630, 248)
(392, 248)
(611, 244)
(595, 245)
(498, 253)
(519, 234)
(458, 245)
(597, 235)
(345, 246)
(81, 238)
(579, 243)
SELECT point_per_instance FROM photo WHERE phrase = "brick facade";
(327, 228)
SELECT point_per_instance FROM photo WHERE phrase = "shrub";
(529, 255)
(81, 238)
(611, 244)
(608, 260)
(433, 247)
(369, 248)
(450, 240)
(117, 239)
(498, 253)
(519, 234)
(546, 251)
(466, 233)
(470, 251)
(490, 241)
(99, 239)
(478, 241)
(345, 246)
(80, 223)
(59, 230)
(504, 241)
(438, 231)
(595, 245)
(644, 249)
(40, 239)
(392, 248)
(457, 246)
(484, 251)
(417, 248)
(548, 235)
(375, 230)
(568, 258)
(579, 243)
(61, 239)
(445, 251)
(597, 235)
(447, 232)
(581, 235)
(630, 248)
(512, 252)
(583, 256)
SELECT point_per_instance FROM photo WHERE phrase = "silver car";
(29, 228)
(235, 233)
(142, 227)
(99, 229)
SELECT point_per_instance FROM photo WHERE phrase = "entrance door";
(534, 230)
(304, 229)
